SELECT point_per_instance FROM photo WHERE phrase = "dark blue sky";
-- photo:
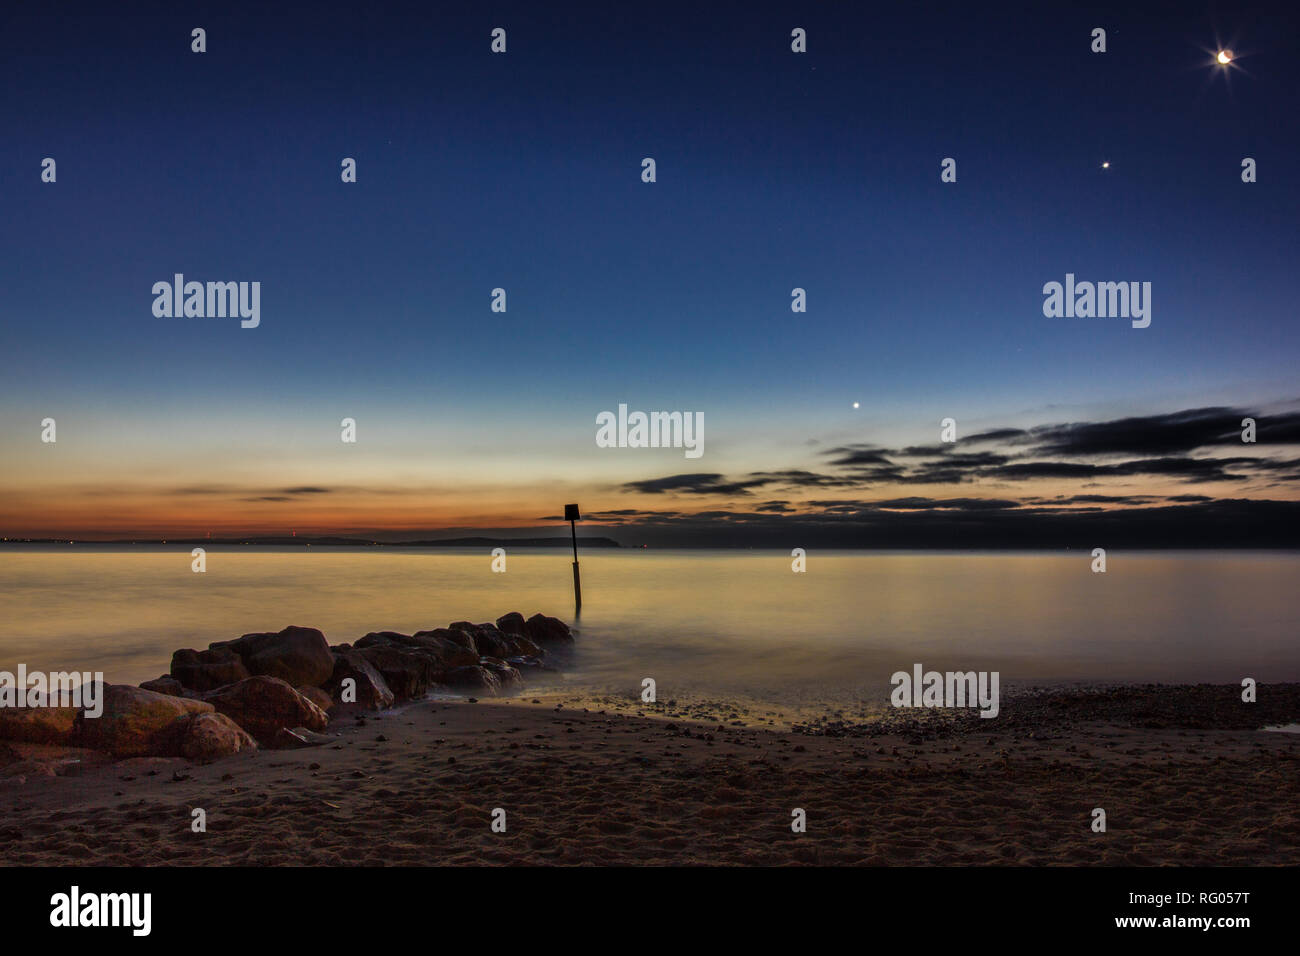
(775, 170)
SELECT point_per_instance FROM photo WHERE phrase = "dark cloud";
(251, 494)
(1278, 429)
(1189, 469)
(960, 504)
(1046, 452)
(1117, 499)
(1225, 523)
(997, 434)
(925, 451)
(1177, 432)
(803, 479)
(853, 455)
(1178, 446)
(695, 484)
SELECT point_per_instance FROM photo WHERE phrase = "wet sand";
(1184, 774)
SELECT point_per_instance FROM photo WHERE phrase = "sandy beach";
(1185, 775)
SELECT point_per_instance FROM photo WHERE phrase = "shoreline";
(1183, 774)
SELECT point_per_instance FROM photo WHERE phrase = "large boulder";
(212, 736)
(372, 691)
(296, 655)
(522, 646)
(206, 670)
(512, 623)
(407, 671)
(39, 725)
(139, 723)
(475, 678)
(262, 705)
(456, 635)
(165, 685)
(445, 650)
(317, 696)
(507, 675)
(491, 641)
(375, 638)
(545, 630)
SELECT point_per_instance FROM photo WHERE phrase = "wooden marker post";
(571, 515)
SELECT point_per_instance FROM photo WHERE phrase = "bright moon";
(1105, 165)
(1224, 57)
(855, 404)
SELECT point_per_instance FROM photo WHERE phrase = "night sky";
(775, 170)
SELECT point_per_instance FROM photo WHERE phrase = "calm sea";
(703, 622)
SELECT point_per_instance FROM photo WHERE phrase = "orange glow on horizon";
(88, 514)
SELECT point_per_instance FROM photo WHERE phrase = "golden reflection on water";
(703, 621)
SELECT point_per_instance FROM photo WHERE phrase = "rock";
(207, 670)
(318, 697)
(513, 623)
(375, 638)
(39, 725)
(474, 678)
(212, 736)
(372, 691)
(509, 678)
(447, 652)
(296, 655)
(491, 641)
(287, 739)
(165, 685)
(545, 630)
(139, 723)
(437, 646)
(407, 671)
(262, 705)
(522, 646)
(457, 636)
